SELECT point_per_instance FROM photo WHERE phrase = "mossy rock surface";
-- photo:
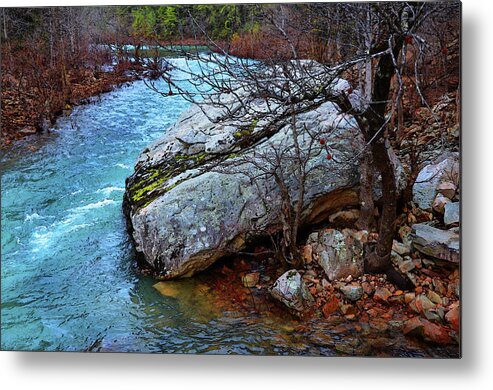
(185, 211)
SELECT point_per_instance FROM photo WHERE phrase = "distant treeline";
(53, 56)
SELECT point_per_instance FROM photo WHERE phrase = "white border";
(475, 371)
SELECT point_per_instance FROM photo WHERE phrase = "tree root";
(381, 264)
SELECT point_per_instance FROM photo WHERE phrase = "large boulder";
(431, 179)
(193, 198)
(440, 244)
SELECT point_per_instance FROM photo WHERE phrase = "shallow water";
(68, 277)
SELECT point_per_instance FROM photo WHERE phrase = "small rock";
(408, 297)
(413, 326)
(434, 297)
(396, 258)
(440, 202)
(447, 189)
(250, 280)
(454, 288)
(431, 176)
(453, 317)
(339, 252)
(405, 235)
(367, 288)
(423, 303)
(435, 314)
(380, 325)
(330, 306)
(427, 330)
(452, 214)
(400, 248)
(406, 266)
(436, 333)
(382, 294)
(417, 263)
(441, 244)
(348, 309)
(290, 289)
(352, 293)
(439, 287)
(308, 254)
(396, 299)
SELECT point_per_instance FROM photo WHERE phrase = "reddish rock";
(436, 333)
(413, 307)
(348, 309)
(440, 202)
(447, 188)
(382, 294)
(330, 306)
(424, 303)
(414, 327)
(409, 297)
(398, 299)
(453, 317)
(380, 325)
(427, 330)
(367, 288)
(308, 254)
(439, 287)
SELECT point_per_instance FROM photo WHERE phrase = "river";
(68, 275)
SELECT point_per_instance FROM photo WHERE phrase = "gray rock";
(430, 178)
(406, 266)
(290, 289)
(400, 248)
(352, 293)
(396, 258)
(186, 207)
(340, 253)
(452, 213)
(441, 244)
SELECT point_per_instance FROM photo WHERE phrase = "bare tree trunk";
(368, 67)
(379, 260)
(366, 219)
(375, 134)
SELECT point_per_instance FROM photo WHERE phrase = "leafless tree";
(287, 87)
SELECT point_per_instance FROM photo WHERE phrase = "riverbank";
(376, 324)
(20, 105)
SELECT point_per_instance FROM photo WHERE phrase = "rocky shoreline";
(184, 214)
